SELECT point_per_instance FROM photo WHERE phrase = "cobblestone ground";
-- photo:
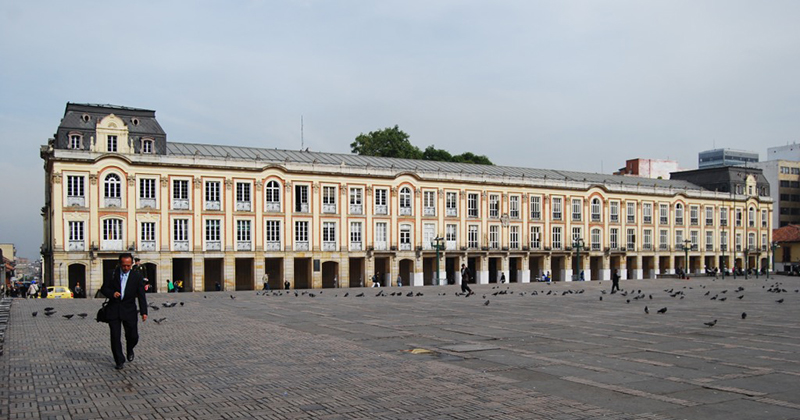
(531, 351)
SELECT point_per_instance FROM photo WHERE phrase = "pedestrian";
(464, 280)
(583, 278)
(615, 281)
(376, 280)
(217, 286)
(286, 284)
(502, 277)
(78, 290)
(43, 292)
(335, 281)
(170, 286)
(399, 281)
(265, 280)
(33, 290)
(123, 288)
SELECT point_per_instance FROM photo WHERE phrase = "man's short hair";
(136, 259)
(125, 255)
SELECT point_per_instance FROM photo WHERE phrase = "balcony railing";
(595, 217)
(244, 206)
(429, 211)
(303, 208)
(76, 201)
(273, 206)
(213, 246)
(381, 209)
(647, 247)
(244, 245)
(329, 246)
(356, 209)
(301, 246)
(451, 212)
(648, 219)
(272, 246)
(76, 246)
(723, 248)
(595, 247)
(111, 245)
(381, 246)
(356, 246)
(405, 247)
(213, 205)
(405, 211)
(112, 202)
(147, 203)
(180, 245)
(147, 245)
(663, 247)
(663, 221)
(709, 247)
(180, 204)
(329, 208)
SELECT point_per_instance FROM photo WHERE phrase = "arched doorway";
(152, 277)
(76, 273)
(406, 268)
(330, 275)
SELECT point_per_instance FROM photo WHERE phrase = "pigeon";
(48, 309)
(312, 295)
(182, 302)
(160, 320)
(34, 313)
(744, 315)
(410, 294)
(779, 301)
(234, 297)
(68, 316)
(662, 310)
(419, 293)
(707, 293)
(646, 310)
(486, 303)
(347, 294)
(83, 315)
(627, 301)
(360, 295)
(711, 324)
(740, 297)
(723, 299)
(50, 313)
(154, 307)
(601, 298)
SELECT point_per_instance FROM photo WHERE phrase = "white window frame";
(329, 199)
(536, 207)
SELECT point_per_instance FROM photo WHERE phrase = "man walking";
(615, 282)
(123, 288)
(464, 280)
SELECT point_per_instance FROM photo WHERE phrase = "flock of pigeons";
(50, 311)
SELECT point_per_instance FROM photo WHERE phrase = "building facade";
(206, 213)
(649, 168)
(725, 157)
(784, 177)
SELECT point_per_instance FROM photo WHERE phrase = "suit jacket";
(134, 290)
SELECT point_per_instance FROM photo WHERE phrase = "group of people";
(175, 286)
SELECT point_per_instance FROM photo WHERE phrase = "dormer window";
(74, 141)
(85, 118)
(147, 146)
(111, 144)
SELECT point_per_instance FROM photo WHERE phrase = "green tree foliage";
(393, 142)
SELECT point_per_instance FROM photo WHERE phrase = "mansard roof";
(146, 119)
(278, 156)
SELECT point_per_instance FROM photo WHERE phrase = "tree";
(389, 142)
(440, 155)
(469, 157)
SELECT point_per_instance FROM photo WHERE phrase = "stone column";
(525, 270)
(567, 271)
(605, 272)
(638, 272)
(623, 268)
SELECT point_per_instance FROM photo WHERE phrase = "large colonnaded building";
(206, 214)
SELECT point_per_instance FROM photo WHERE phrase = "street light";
(438, 246)
(578, 244)
(773, 246)
(686, 246)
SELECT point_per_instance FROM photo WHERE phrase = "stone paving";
(532, 351)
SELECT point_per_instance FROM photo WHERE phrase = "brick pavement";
(560, 355)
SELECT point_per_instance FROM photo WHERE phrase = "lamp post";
(578, 244)
(438, 246)
(686, 246)
(773, 247)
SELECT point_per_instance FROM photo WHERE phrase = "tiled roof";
(789, 233)
(400, 165)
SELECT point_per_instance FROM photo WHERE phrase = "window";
(494, 236)
(112, 186)
(751, 217)
(111, 144)
(74, 142)
(147, 188)
(723, 241)
(795, 171)
(784, 169)
(630, 211)
(329, 236)
(679, 214)
(148, 236)
(663, 214)
(272, 234)
(694, 215)
(596, 210)
(429, 203)
(513, 237)
(576, 210)
(536, 237)
(614, 212)
(355, 236)
(272, 192)
(556, 240)
(739, 217)
(428, 234)
(738, 242)
(494, 205)
(709, 216)
(723, 216)
(613, 238)
(356, 201)
(243, 196)
(301, 235)
(472, 205)
(405, 201)
(243, 231)
(647, 213)
(212, 195)
(381, 236)
(536, 207)
(381, 204)
(112, 234)
(763, 241)
(709, 240)
(694, 236)
(147, 146)
(472, 236)
(596, 240)
(74, 186)
(557, 207)
(180, 229)
(679, 239)
(301, 200)
(631, 240)
(328, 199)
(764, 220)
(663, 240)
(577, 233)
(451, 204)
(647, 239)
(212, 235)
(451, 236)
(405, 237)
(76, 235)
(180, 194)
(513, 207)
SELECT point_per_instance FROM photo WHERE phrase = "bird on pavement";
(711, 324)
(486, 303)
(410, 294)
(82, 315)
(48, 309)
(740, 297)
(646, 310)
(34, 313)
(360, 295)
(160, 320)
(779, 301)
(662, 310)
(69, 316)
(347, 294)
(744, 315)
(233, 297)
(50, 313)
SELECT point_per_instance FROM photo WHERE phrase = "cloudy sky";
(579, 85)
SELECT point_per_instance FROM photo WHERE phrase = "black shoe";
(130, 356)
(119, 366)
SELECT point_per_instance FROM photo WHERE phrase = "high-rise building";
(725, 157)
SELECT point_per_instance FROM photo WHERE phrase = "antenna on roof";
(302, 140)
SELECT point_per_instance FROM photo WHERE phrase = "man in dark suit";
(123, 288)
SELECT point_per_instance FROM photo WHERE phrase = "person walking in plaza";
(399, 280)
(33, 290)
(265, 280)
(170, 286)
(78, 290)
(465, 280)
(615, 281)
(123, 288)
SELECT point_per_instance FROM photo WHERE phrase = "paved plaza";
(524, 351)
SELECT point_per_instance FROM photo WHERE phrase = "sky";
(574, 85)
